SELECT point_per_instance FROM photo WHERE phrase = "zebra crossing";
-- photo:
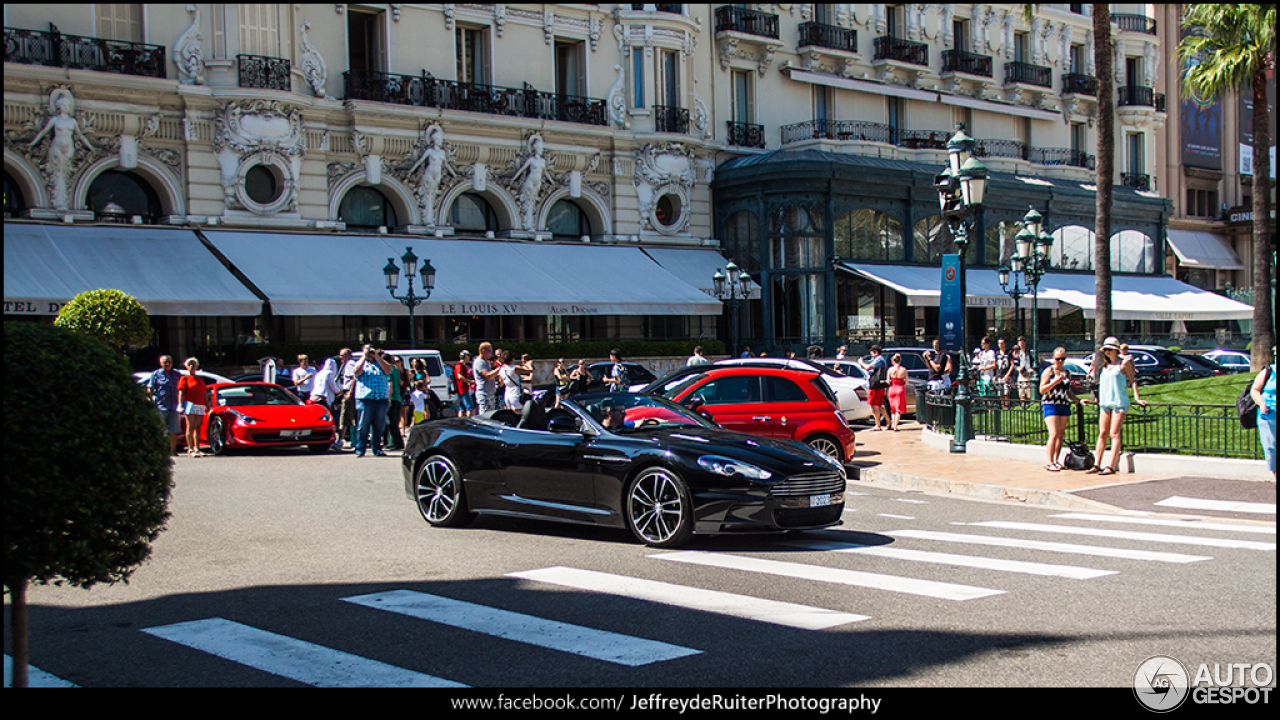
(1101, 546)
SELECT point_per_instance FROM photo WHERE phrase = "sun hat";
(1111, 344)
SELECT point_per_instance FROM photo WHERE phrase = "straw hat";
(1111, 344)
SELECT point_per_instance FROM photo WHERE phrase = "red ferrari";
(775, 402)
(258, 414)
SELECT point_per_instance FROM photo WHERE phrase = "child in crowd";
(419, 399)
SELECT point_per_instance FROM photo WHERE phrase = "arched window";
(999, 243)
(932, 239)
(121, 195)
(742, 240)
(471, 213)
(869, 235)
(1132, 251)
(567, 221)
(366, 208)
(1072, 248)
(14, 202)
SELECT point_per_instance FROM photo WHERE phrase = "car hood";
(282, 414)
(779, 456)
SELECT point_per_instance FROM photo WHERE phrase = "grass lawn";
(1220, 390)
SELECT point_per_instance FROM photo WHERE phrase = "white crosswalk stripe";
(1178, 501)
(1163, 522)
(288, 657)
(1128, 535)
(984, 563)
(35, 677)
(714, 601)
(858, 578)
(1026, 544)
(576, 639)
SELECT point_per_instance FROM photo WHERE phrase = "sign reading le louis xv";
(516, 309)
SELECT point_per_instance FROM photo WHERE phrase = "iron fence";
(1199, 430)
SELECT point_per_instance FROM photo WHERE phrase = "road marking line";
(288, 657)
(896, 517)
(1224, 505)
(983, 563)
(1025, 544)
(1186, 524)
(858, 578)
(742, 606)
(911, 500)
(1129, 535)
(588, 642)
(35, 677)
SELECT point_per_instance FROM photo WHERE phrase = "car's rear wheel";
(659, 510)
(440, 496)
(826, 444)
(216, 434)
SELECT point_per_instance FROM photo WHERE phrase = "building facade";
(571, 171)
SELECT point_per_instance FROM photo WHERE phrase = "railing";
(837, 130)
(53, 49)
(1079, 84)
(1200, 430)
(1140, 181)
(670, 119)
(426, 91)
(752, 22)
(1027, 74)
(1136, 95)
(1134, 23)
(746, 134)
(887, 47)
(818, 34)
(261, 71)
(1000, 148)
(1061, 156)
(966, 62)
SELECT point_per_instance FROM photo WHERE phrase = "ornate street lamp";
(732, 289)
(1032, 245)
(962, 189)
(410, 299)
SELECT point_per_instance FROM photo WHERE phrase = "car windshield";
(628, 412)
(236, 395)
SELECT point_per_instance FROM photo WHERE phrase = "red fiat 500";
(258, 414)
(775, 402)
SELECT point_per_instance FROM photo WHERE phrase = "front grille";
(815, 484)
(808, 517)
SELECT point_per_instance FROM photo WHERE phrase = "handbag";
(1079, 457)
(1246, 408)
(879, 377)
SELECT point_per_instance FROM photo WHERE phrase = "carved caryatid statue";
(61, 154)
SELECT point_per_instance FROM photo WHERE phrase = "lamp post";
(1031, 260)
(732, 289)
(410, 299)
(961, 187)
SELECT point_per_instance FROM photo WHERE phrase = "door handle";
(762, 418)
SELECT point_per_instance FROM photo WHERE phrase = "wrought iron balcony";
(746, 134)
(1134, 23)
(1136, 95)
(53, 49)
(837, 130)
(818, 34)
(730, 18)
(1027, 74)
(908, 51)
(426, 91)
(1061, 156)
(1000, 148)
(1140, 181)
(670, 119)
(966, 62)
(260, 71)
(1079, 84)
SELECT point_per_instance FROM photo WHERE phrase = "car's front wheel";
(659, 510)
(216, 435)
(440, 496)
(826, 444)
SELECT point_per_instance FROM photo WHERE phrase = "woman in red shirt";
(191, 405)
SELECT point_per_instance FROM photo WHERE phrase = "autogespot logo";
(1161, 683)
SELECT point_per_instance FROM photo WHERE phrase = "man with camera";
(373, 399)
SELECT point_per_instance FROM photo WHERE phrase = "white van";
(440, 379)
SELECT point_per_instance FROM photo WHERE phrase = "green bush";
(86, 477)
(112, 316)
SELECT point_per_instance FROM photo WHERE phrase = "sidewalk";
(903, 459)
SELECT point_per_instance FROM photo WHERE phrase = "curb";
(980, 491)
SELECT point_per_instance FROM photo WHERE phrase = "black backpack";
(1246, 408)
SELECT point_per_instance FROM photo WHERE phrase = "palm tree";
(1106, 171)
(1234, 46)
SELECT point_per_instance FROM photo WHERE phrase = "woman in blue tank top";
(1114, 376)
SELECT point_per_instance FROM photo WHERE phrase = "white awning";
(696, 266)
(168, 270)
(1145, 297)
(342, 275)
(1201, 249)
(922, 285)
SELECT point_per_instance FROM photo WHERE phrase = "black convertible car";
(619, 460)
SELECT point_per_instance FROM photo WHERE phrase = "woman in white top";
(510, 376)
(1114, 376)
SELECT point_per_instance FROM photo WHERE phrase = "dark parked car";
(619, 460)
(1198, 366)
(1232, 360)
(1154, 364)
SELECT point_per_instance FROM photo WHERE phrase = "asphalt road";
(270, 549)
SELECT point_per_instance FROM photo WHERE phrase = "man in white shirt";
(697, 358)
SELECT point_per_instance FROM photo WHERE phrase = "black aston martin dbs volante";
(619, 460)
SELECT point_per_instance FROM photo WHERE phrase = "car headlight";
(729, 467)
(246, 419)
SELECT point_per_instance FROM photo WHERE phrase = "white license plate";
(294, 433)
(819, 500)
